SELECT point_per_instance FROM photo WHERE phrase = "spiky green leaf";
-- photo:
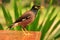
(7, 16)
(16, 10)
(1, 27)
(48, 23)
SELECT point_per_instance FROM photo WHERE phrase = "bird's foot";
(26, 32)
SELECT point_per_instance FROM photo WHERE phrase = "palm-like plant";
(48, 31)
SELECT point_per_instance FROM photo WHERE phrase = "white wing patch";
(25, 18)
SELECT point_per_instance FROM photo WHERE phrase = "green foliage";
(5, 1)
(18, 28)
(53, 3)
(1, 27)
(16, 10)
(48, 9)
(20, 8)
(57, 35)
(37, 2)
(47, 26)
(55, 26)
(7, 16)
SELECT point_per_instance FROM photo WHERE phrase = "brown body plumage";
(27, 18)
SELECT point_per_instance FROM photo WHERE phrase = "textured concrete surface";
(19, 35)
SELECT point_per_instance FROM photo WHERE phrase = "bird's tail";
(11, 26)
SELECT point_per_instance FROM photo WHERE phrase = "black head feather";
(35, 8)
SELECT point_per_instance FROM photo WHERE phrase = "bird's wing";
(23, 17)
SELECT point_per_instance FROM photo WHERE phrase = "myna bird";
(27, 18)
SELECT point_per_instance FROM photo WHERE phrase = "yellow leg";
(25, 32)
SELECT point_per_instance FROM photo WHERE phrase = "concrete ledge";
(19, 35)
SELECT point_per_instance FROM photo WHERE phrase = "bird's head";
(35, 8)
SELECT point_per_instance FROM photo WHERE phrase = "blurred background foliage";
(47, 20)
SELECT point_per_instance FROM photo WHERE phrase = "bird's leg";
(25, 31)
